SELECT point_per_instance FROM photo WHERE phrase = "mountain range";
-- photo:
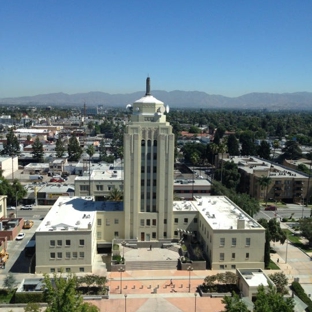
(175, 99)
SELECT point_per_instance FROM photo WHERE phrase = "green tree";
(291, 150)
(234, 304)
(115, 194)
(61, 295)
(59, 148)
(9, 282)
(37, 151)
(305, 226)
(309, 157)
(276, 232)
(11, 146)
(248, 145)
(102, 151)
(90, 150)
(233, 145)
(280, 281)
(194, 129)
(264, 150)
(264, 183)
(13, 190)
(272, 301)
(74, 149)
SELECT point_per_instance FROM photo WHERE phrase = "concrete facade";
(149, 164)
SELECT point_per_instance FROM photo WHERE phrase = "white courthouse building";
(75, 226)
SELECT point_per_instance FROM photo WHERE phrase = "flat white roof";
(104, 173)
(254, 278)
(75, 213)
(253, 164)
(218, 211)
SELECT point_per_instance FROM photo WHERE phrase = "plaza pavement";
(150, 290)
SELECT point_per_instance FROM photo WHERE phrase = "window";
(175, 233)
(81, 242)
(165, 221)
(99, 187)
(222, 241)
(154, 222)
(107, 222)
(154, 235)
(59, 242)
(176, 220)
(221, 256)
(75, 254)
(233, 255)
(148, 222)
(67, 255)
(233, 241)
(195, 220)
(185, 220)
(81, 254)
(247, 255)
(116, 221)
(52, 243)
(52, 255)
(59, 255)
(165, 234)
(52, 270)
(84, 188)
(116, 234)
(233, 266)
(81, 269)
(67, 242)
(67, 270)
(99, 222)
(142, 222)
(99, 235)
(247, 241)
(222, 267)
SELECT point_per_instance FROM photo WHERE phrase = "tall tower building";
(148, 171)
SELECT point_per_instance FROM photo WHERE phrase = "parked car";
(20, 236)
(270, 208)
(11, 208)
(27, 207)
(58, 180)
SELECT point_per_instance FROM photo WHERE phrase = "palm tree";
(222, 149)
(90, 151)
(115, 195)
(264, 183)
(214, 149)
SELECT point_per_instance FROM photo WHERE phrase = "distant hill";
(176, 99)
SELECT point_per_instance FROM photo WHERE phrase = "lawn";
(272, 266)
(295, 240)
(6, 296)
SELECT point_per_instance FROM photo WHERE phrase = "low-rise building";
(286, 185)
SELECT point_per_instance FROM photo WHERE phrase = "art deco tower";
(148, 171)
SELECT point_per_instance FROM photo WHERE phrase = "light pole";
(286, 246)
(121, 270)
(125, 302)
(16, 202)
(190, 269)
(123, 250)
(195, 300)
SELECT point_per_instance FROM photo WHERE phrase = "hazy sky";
(227, 47)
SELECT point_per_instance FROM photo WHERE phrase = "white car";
(11, 208)
(20, 236)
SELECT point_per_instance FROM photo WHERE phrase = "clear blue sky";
(227, 47)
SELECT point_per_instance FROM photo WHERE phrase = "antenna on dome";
(148, 86)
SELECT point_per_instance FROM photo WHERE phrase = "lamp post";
(286, 247)
(195, 294)
(121, 270)
(125, 302)
(123, 249)
(16, 202)
(190, 269)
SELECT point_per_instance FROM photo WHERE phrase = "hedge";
(28, 297)
(299, 291)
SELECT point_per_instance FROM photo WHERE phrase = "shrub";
(297, 288)
(115, 247)
(28, 297)
(184, 248)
